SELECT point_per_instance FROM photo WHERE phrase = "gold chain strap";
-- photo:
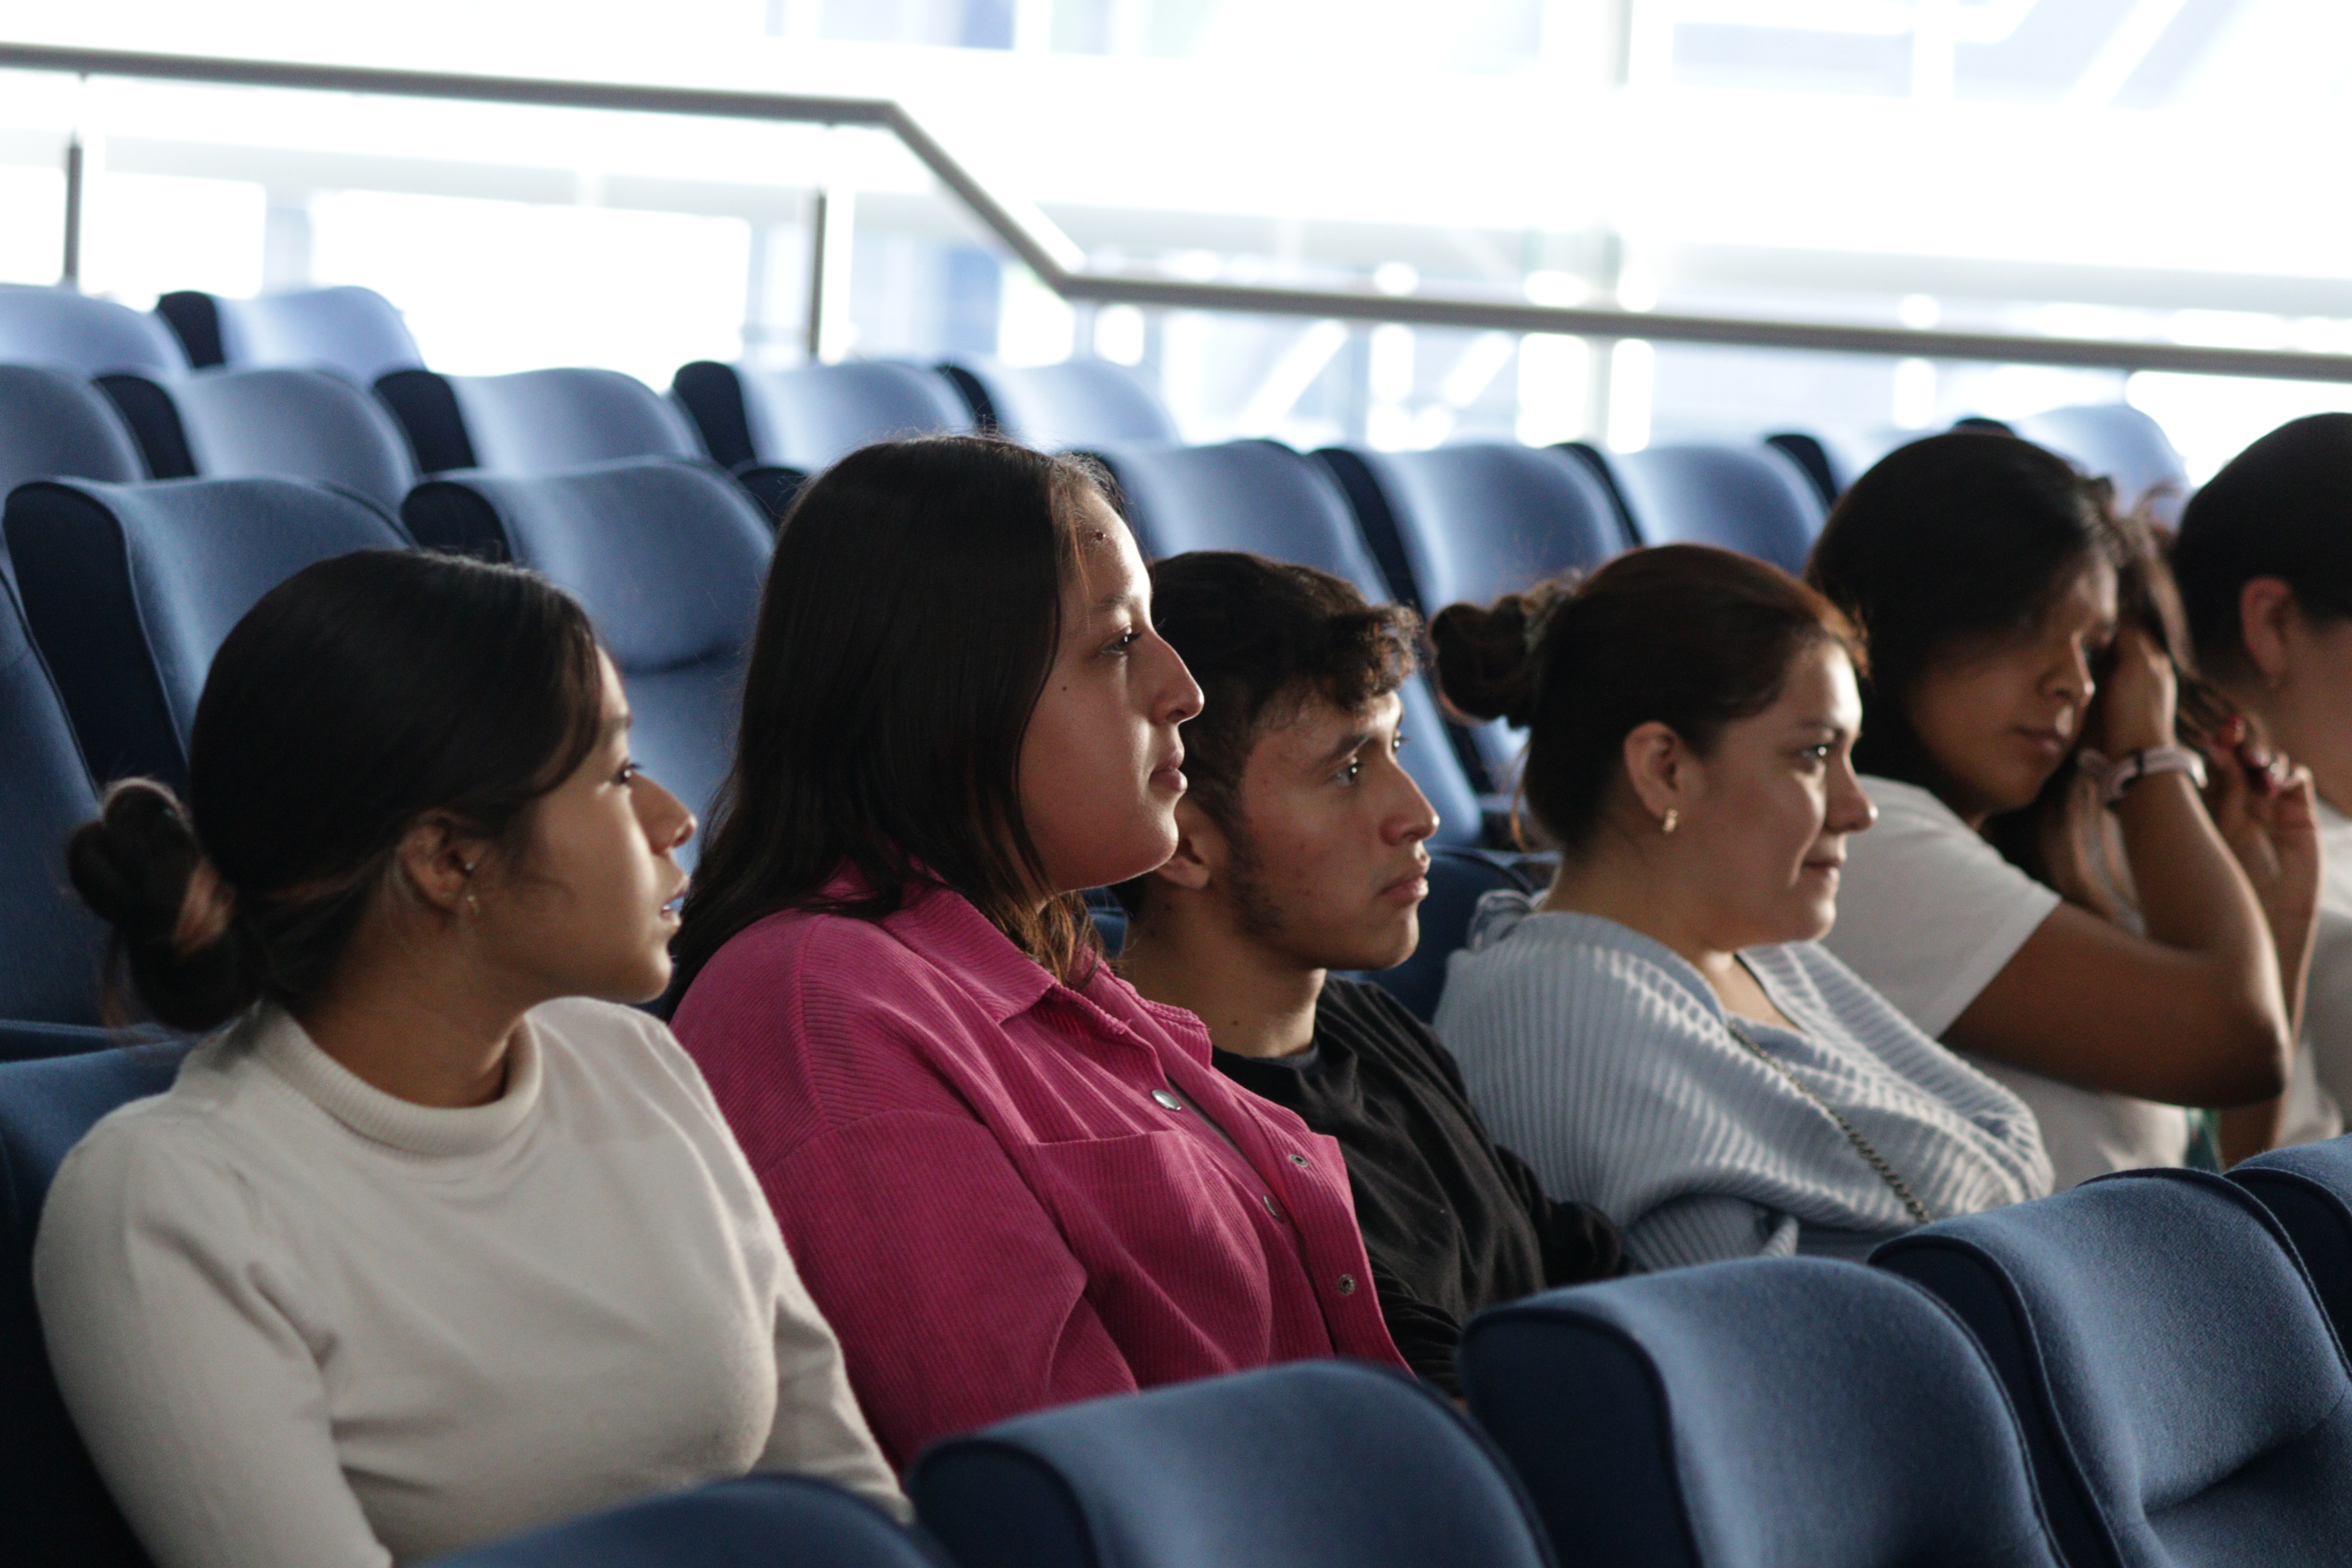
(1853, 1135)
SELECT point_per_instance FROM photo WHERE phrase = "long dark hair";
(1957, 535)
(358, 696)
(910, 621)
(1685, 636)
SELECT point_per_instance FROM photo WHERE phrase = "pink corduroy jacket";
(992, 1184)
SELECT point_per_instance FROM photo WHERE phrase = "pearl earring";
(1671, 820)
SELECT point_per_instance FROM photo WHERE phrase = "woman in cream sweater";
(431, 1241)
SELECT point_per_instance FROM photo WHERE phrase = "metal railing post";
(71, 277)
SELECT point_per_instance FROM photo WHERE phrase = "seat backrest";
(349, 328)
(811, 414)
(1078, 402)
(55, 424)
(2117, 441)
(49, 943)
(534, 421)
(294, 424)
(1458, 878)
(759, 1521)
(1471, 523)
(1262, 496)
(59, 1513)
(668, 556)
(1308, 1465)
(2308, 1190)
(1754, 500)
(1756, 1413)
(88, 336)
(130, 590)
(2183, 1396)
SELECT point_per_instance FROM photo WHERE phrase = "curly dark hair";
(1264, 638)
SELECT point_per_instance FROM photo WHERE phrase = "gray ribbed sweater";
(1602, 1057)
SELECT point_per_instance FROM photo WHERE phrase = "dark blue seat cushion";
(2183, 1396)
(355, 331)
(129, 589)
(55, 424)
(49, 947)
(759, 1521)
(1771, 1411)
(59, 1514)
(2308, 1190)
(668, 556)
(1311, 1465)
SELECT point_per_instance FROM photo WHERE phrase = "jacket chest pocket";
(1154, 1215)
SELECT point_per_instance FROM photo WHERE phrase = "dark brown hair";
(1262, 638)
(1683, 635)
(360, 694)
(1958, 535)
(2282, 508)
(910, 621)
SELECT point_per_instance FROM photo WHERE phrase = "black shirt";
(1453, 1222)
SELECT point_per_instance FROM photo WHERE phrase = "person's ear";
(2268, 620)
(1660, 768)
(442, 862)
(1201, 849)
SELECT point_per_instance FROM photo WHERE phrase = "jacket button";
(1347, 1284)
(1299, 1161)
(1168, 1099)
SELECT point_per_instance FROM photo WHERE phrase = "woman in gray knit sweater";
(1660, 1034)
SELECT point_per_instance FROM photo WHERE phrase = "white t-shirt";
(2327, 1003)
(304, 1324)
(1927, 914)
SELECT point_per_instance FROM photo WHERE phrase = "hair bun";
(1487, 658)
(137, 867)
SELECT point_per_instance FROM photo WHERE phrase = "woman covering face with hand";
(1010, 1181)
(2014, 633)
(1660, 1035)
(433, 1242)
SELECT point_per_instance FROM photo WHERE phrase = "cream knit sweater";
(304, 1324)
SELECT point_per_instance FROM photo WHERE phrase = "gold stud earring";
(1671, 820)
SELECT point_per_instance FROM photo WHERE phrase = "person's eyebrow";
(614, 724)
(1347, 746)
(1117, 598)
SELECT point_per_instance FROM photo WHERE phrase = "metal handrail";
(1060, 264)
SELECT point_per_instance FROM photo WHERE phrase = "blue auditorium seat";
(759, 1521)
(534, 421)
(55, 425)
(1458, 878)
(1262, 496)
(49, 948)
(1078, 402)
(1327, 1464)
(1757, 1414)
(2115, 441)
(668, 556)
(57, 1512)
(129, 590)
(2184, 1399)
(808, 417)
(88, 336)
(1755, 499)
(1470, 524)
(283, 422)
(2308, 1190)
(351, 330)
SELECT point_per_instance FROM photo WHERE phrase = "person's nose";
(1176, 696)
(667, 824)
(1850, 809)
(1411, 819)
(2072, 679)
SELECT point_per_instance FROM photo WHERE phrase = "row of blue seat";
(2148, 1370)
